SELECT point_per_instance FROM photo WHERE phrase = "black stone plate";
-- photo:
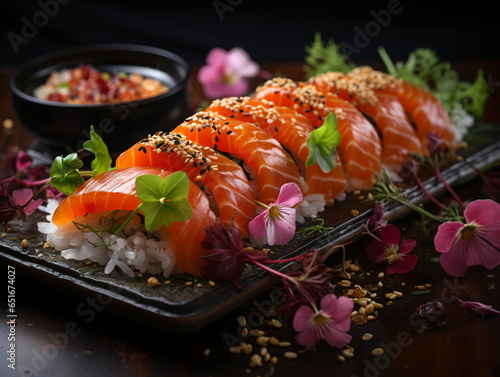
(179, 308)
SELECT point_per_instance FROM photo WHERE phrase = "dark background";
(269, 31)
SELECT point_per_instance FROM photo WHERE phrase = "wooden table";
(62, 336)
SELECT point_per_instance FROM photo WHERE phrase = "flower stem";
(261, 204)
(272, 271)
(120, 229)
(418, 209)
(448, 187)
(38, 192)
(428, 194)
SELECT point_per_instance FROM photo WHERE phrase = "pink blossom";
(390, 249)
(226, 73)
(477, 242)
(477, 307)
(330, 322)
(277, 221)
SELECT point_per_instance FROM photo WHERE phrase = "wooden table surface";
(54, 339)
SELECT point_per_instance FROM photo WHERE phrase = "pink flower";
(278, 220)
(330, 322)
(477, 242)
(390, 249)
(226, 73)
(477, 307)
(19, 202)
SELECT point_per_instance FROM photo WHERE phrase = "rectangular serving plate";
(181, 309)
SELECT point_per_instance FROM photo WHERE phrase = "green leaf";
(102, 160)
(323, 143)
(425, 69)
(325, 57)
(164, 201)
(474, 98)
(64, 173)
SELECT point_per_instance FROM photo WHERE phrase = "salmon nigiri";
(399, 138)
(115, 190)
(291, 129)
(272, 165)
(426, 110)
(224, 178)
(360, 148)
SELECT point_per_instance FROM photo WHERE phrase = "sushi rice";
(132, 250)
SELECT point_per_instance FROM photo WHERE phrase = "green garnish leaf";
(315, 228)
(64, 174)
(323, 143)
(63, 85)
(324, 57)
(102, 160)
(420, 292)
(425, 69)
(164, 201)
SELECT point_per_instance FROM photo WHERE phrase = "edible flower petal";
(477, 242)
(277, 221)
(330, 322)
(227, 255)
(226, 73)
(390, 249)
(476, 307)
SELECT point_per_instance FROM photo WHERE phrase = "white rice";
(134, 250)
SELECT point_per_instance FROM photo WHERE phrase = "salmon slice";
(291, 130)
(224, 178)
(115, 190)
(270, 162)
(398, 137)
(360, 149)
(426, 110)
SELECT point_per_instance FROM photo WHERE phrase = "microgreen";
(315, 228)
(102, 160)
(323, 143)
(164, 201)
(324, 57)
(425, 69)
(99, 232)
(65, 174)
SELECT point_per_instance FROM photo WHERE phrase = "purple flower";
(226, 73)
(436, 144)
(277, 222)
(17, 203)
(476, 307)
(477, 242)
(390, 249)
(314, 279)
(24, 173)
(377, 221)
(331, 322)
(227, 255)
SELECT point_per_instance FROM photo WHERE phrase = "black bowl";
(63, 127)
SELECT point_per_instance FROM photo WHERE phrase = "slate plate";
(180, 308)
